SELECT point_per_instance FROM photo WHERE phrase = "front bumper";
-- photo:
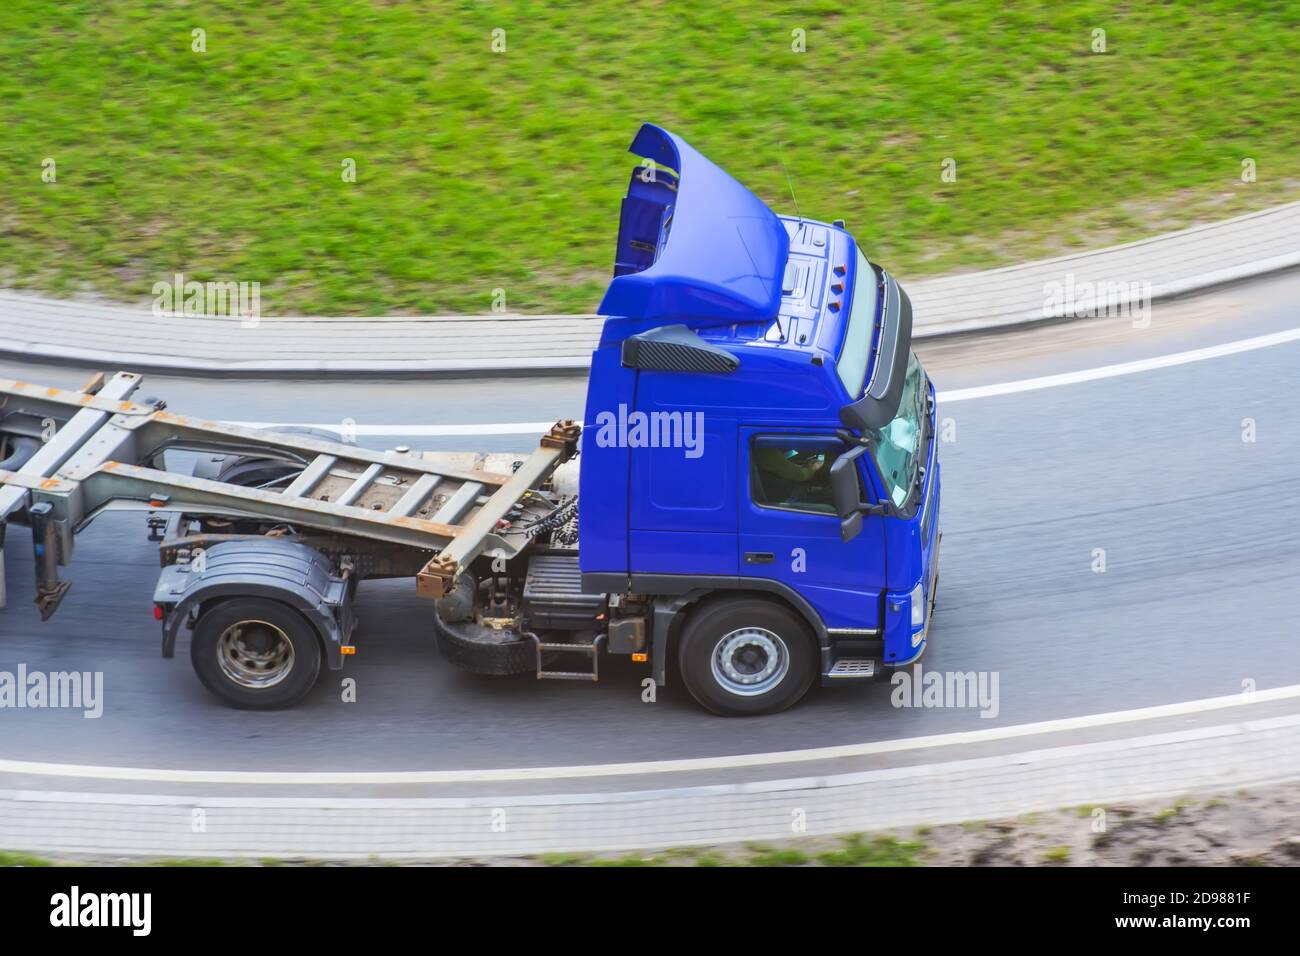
(905, 644)
(867, 655)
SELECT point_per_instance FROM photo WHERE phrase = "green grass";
(9, 858)
(194, 862)
(1166, 815)
(778, 857)
(631, 861)
(1169, 813)
(877, 851)
(1057, 854)
(853, 850)
(480, 170)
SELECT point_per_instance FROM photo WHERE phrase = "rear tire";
(745, 656)
(255, 654)
(250, 471)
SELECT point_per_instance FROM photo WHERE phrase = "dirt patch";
(1261, 828)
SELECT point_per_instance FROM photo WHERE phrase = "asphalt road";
(1200, 529)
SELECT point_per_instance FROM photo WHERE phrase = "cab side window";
(793, 472)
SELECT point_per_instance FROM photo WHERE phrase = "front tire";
(746, 656)
(255, 654)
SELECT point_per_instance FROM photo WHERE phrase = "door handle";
(759, 557)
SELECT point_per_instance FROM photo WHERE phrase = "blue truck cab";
(759, 479)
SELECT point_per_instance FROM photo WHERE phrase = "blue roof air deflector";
(695, 247)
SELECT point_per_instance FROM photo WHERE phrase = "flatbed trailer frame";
(99, 451)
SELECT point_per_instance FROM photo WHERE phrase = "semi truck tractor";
(755, 507)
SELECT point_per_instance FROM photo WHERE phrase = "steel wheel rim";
(750, 661)
(255, 654)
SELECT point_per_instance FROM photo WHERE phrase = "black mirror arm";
(870, 510)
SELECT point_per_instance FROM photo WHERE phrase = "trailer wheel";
(745, 655)
(255, 654)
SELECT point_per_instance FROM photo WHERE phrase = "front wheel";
(746, 656)
(255, 654)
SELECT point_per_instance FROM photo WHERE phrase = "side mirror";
(845, 488)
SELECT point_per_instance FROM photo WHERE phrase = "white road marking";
(1019, 760)
(1184, 708)
(1123, 368)
(956, 395)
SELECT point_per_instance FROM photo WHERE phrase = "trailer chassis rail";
(107, 453)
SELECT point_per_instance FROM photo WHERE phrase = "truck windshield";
(897, 446)
(852, 364)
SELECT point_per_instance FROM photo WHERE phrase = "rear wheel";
(746, 656)
(255, 654)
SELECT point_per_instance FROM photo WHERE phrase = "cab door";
(789, 531)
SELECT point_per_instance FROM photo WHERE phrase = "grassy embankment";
(478, 170)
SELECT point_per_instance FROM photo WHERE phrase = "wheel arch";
(677, 596)
(229, 574)
(207, 598)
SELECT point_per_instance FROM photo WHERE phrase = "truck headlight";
(917, 598)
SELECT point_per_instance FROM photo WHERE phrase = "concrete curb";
(1255, 752)
(1171, 290)
(36, 329)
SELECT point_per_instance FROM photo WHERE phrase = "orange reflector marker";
(347, 650)
(640, 658)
